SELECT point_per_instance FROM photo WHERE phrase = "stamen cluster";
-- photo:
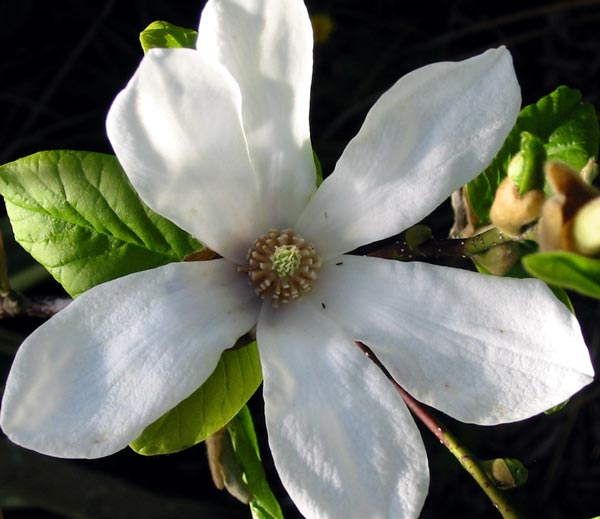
(282, 266)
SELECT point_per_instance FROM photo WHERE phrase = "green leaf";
(77, 214)
(164, 35)
(235, 379)
(566, 269)
(568, 128)
(526, 168)
(245, 445)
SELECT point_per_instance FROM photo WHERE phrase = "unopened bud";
(416, 236)
(322, 25)
(550, 227)
(511, 211)
(499, 260)
(561, 212)
(224, 467)
(589, 171)
(586, 229)
(505, 473)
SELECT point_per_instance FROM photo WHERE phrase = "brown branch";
(468, 461)
(13, 304)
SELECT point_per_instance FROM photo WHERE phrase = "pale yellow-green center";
(286, 260)
(282, 266)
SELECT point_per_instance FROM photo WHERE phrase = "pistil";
(282, 266)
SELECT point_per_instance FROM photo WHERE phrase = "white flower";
(217, 140)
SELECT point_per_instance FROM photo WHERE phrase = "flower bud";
(505, 473)
(550, 227)
(589, 171)
(556, 229)
(322, 25)
(511, 211)
(586, 228)
(416, 236)
(499, 260)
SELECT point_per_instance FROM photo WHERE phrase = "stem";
(463, 247)
(4, 283)
(468, 461)
(69, 489)
(13, 304)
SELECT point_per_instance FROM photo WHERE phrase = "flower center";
(282, 266)
(286, 260)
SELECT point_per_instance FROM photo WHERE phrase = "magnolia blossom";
(217, 140)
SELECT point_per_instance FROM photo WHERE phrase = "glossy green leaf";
(566, 269)
(164, 35)
(568, 128)
(208, 409)
(77, 214)
(526, 168)
(245, 444)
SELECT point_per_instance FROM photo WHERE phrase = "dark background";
(61, 64)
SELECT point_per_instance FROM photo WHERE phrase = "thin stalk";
(468, 461)
(14, 304)
(4, 282)
(462, 247)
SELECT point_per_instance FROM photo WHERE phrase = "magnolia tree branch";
(14, 304)
(461, 247)
(4, 283)
(70, 489)
(469, 462)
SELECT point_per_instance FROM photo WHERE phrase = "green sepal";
(526, 169)
(566, 269)
(164, 35)
(235, 379)
(318, 169)
(77, 214)
(568, 129)
(243, 436)
(557, 408)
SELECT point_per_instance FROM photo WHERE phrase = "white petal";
(88, 381)
(434, 130)
(267, 47)
(177, 131)
(344, 443)
(480, 348)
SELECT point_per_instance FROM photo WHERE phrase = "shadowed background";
(61, 66)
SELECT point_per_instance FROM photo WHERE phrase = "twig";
(494, 23)
(461, 247)
(469, 462)
(13, 304)
(72, 490)
(4, 283)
